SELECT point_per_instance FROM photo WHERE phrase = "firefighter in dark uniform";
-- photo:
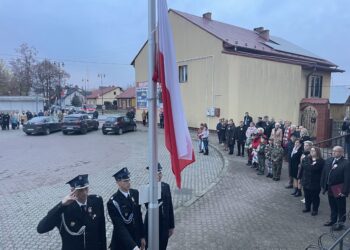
(166, 213)
(125, 213)
(79, 217)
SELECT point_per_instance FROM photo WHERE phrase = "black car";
(42, 125)
(118, 125)
(78, 123)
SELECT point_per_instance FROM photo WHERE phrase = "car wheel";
(28, 133)
(47, 131)
(120, 131)
(96, 128)
(83, 131)
(104, 132)
(64, 132)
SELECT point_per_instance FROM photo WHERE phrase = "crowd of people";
(267, 144)
(15, 119)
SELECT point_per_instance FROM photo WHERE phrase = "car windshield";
(111, 119)
(71, 118)
(38, 119)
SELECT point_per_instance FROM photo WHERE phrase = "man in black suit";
(166, 213)
(247, 120)
(336, 180)
(240, 138)
(125, 212)
(79, 217)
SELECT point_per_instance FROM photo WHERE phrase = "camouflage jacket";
(277, 154)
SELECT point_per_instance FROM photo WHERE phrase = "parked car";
(42, 125)
(78, 123)
(118, 125)
(89, 108)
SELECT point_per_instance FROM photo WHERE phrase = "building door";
(308, 119)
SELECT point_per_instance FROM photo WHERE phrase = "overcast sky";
(103, 36)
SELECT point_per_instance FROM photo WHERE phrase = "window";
(183, 73)
(315, 86)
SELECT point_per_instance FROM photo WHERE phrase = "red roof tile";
(127, 94)
(98, 92)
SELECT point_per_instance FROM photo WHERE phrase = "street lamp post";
(86, 81)
(101, 76)
(59, 66)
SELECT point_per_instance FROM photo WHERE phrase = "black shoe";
(289, 186)
(260, 173)
(314, 213)
(271, 176)
(338, 227)
(206, 154)
(276, 179)
(329, 223)
(306, 210)
(298, 193)
(238, 155)
(249, 164)
(242, 155)
(295, 191)
(201, 151)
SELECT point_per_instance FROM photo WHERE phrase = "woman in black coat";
(294, 161)
(311, 177)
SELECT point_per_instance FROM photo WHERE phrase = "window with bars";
(315, 86)
(183, 73)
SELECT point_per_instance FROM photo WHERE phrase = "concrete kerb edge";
(209, 187)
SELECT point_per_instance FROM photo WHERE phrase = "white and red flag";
(177, 136)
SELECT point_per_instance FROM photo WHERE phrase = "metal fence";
(326, 146)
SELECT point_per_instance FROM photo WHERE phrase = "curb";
(211, 185)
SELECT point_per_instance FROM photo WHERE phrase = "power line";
(70, 60)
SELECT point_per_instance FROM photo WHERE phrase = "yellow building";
(105, 95)
(233, 70)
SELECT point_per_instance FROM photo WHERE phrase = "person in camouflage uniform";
(261, 156)
(268, 150)
(277, 160)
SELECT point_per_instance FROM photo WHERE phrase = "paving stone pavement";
(246, 211)
(34, 169)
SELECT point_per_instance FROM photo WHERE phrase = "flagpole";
(153, 210)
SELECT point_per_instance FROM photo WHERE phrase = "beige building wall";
(265, 88)
(108, 97)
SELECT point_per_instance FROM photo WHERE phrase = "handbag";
(337, 189)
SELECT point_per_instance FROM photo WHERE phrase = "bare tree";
(5, 79)
(23, 69)
(48, 80)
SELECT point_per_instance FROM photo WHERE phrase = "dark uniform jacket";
(74, 220)
(337, 175)
(166, 216)
(127, 220)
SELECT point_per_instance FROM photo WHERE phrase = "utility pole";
(101, 75)
(86, 80)
(59, 65)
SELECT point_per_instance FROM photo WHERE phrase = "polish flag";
(177, 136)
